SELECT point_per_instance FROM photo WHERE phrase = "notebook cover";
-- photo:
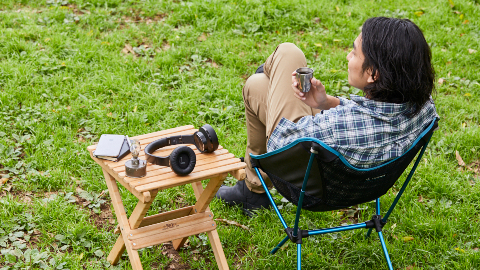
(125, 150)
(109, 145)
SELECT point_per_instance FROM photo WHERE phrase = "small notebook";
(112, 147)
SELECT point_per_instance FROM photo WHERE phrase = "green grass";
(64, 81)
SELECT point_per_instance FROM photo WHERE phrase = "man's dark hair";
(399, 58)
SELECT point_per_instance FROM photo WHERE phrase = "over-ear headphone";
(182, 160)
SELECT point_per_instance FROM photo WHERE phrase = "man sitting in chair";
(390, 61)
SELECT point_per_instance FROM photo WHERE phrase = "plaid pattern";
(364, 131)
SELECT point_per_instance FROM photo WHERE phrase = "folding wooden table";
(139, 231)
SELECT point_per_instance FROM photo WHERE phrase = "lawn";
(73, 70)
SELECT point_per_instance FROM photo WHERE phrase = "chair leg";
(299, 256)
(270, 198)
(279, 245)
(385, 251)
(368, 233)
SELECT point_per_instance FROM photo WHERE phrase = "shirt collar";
(380, 107)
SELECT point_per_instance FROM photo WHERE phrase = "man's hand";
(316, 97)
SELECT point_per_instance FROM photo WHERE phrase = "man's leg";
(252, 195)
(268, 97)
(255, 99)
(281, 103)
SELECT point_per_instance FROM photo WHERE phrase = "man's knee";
(247, 87)
(254, 83)
(289, 50)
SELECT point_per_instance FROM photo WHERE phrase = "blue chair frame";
(377, 222)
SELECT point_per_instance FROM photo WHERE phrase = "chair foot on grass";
(299, 256)
(385, 251)
(279, 245)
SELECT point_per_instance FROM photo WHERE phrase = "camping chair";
(317, 178)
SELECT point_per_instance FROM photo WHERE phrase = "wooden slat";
(146, 221)
(166, 132)
(239, 175)
(121, 166)
(170, 175)
(199, 166)
(178, 213)
(173, 224)
(195, 228)
(192, 177)
(121, 172)
(154, 172)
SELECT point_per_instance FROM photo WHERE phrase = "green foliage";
(73, 70)
(94, 201)
(73, 239)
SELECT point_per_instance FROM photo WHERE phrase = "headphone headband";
(155, 145)
(182, 159)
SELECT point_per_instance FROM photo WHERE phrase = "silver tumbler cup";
(304, 75)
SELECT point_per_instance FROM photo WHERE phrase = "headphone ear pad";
(183, 160)
(212, 139)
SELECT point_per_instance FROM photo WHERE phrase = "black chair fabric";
(331, 184)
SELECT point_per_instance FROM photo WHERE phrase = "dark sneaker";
(241, 195)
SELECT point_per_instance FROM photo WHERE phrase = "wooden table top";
(161, 177)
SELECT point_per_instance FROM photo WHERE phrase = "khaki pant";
(268, 97)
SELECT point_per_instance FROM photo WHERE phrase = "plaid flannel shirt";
(364, 131)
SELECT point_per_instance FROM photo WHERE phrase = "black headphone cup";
(211, 135)
(182, 160)
(200, 141)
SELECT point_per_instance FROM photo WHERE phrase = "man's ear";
(372, 79)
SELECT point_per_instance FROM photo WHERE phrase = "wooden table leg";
(138, 214)
(218, 250)
(117, 251)
(203, 200)
(135, 220)
(207, 195)
(197, 189)
(212, 235)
